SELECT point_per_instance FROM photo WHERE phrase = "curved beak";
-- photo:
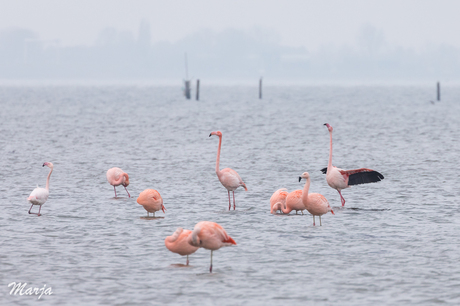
(44, 165)
(332, 212)
(300, 178)
(210, 134)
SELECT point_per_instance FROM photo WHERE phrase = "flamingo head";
(126, 182)
(276, 207)
(48, 164)
(304, 175)
(194, 239)
(329, 127)
(218, 133)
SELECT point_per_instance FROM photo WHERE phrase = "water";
(395, 242)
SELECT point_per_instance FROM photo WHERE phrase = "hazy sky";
(408, 23)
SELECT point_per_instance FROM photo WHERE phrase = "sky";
(413, 24)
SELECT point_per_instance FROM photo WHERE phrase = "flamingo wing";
(362, 176)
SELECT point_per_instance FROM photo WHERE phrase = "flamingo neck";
(218, 155)
(329, 164)
(48, 180)
(284, 208)
(305, 192)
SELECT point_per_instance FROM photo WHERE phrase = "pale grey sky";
(407, 23)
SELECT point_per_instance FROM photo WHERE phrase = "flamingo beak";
(332, 212)
(300, 178)
(210, 134)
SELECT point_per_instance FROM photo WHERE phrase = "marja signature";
(18, 288)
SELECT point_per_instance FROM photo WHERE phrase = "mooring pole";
(260, 88)
(439, 92)
(198, 89)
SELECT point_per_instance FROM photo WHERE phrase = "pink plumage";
(211, 236)
(178, 243)
(340, 179)
(229, 178)
(117, 177)
(315, 203)
(151, 200)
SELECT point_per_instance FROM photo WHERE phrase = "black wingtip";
(324, 170)
(365, 177)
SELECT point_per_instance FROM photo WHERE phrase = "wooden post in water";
(439, 92)
(198, 89)
(260, 88)
(187, 92)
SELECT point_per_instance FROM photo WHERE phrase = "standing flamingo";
(151, 200)
(39, 195)
(178, 243)
(116, 177)
(340, 179)
(278, 200)
(211, 236)
(229, 178)
(293, 202)
(315, 203)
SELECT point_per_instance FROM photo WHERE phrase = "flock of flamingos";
(212, 236)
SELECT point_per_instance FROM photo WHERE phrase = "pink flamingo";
(211, 236)
(151, 200)
(278, 200)
(229, 178)
(315, 203)
(39, 195)
(116, 177)
(340, 179)
(178, 243)
(293, 202)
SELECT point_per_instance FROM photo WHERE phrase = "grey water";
(395, 242)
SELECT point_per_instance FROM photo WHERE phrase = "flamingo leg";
(39, 209)
(320, 221)
(31, 208)
(210, 268)
(301, 212)
(115, 191)
(313, 220)
(187, 260)
(127, 192)
(229, 202)
(234, 206)
(148, 214)
(342, 199)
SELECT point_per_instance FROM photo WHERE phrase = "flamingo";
(229, 178)
(340, 179)
(277, 200)
(38, 196)
(151, 200)
(293, 202)
(116, 177)
(315, 203)
(211, 236)
(178, 243)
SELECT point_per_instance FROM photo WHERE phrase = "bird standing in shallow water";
(178, 243)
(278, 200)
(151, 200)
(116, 177)
(315, 203)
(211, 236)
(340, 179)
(39, 195)
(292, 201)
(229, 178)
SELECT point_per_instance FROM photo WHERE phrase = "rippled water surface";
(395, 242)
